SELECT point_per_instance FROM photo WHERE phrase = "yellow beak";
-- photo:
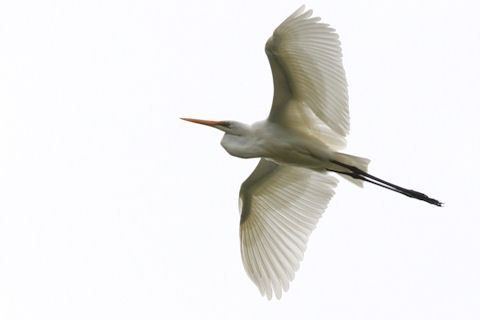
(204, 122)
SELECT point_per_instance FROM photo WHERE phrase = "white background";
(113, 208)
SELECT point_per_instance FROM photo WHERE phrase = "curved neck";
(245, 145)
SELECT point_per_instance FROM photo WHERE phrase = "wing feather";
(310, 88)
(280, 206)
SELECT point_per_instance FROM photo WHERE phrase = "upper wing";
(280, 206)
(310, 89)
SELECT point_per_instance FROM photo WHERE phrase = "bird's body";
(281, 145)
(298, 146)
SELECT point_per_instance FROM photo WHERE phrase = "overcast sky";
(113, 208)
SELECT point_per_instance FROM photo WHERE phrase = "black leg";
(356, 173)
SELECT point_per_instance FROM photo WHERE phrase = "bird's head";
(229, 127)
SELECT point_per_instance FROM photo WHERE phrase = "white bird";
(282, 200)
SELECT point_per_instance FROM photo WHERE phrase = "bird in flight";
(282, 200)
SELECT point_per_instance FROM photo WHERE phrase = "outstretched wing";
(280, 206)
(310, 89)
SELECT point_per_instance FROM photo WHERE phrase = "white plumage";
(283, 198)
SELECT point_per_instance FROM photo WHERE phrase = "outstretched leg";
(356, 173)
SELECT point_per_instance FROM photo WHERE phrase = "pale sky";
(113, 208)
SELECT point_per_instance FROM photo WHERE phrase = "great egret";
(283, 198)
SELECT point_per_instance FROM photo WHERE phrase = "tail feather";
(359, 162)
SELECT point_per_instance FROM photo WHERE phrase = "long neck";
(242, 146)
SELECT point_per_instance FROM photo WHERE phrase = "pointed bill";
(204, 122)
